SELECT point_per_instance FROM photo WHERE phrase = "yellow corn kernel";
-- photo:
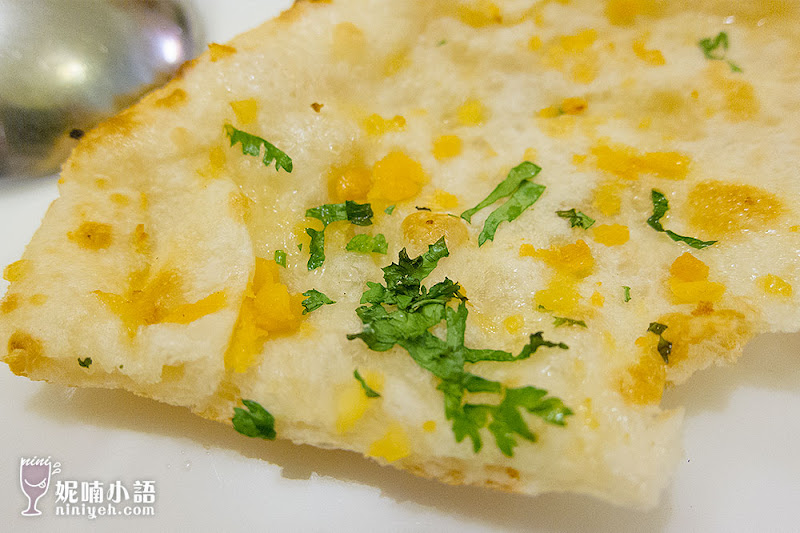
(688, 268)
(216, 163)
(530, 154)
(447, 146)
(624, 12)
(611, 234)
(429, 426)
(246, 111)
(607, 200)
(561, 296)
(472, 113)
(480, 14)
(218, 51)
(277, 310)
(572, 259)
(396, 177)
(597, 299)
(120, 199)
(394, 445)
(424, 227)
(25, 353)
(351, 404)
(444, 199)
(653, 57)
(579, 42)
(266, 273)
(719, 208)
(775, 286)
(377, 125)
(574, 106)
(92, 236)
(9, 303)
(514, 323)
(247, 340)
(188, 313)
(692, 292)
(794, 229)
(643, 382)
(17, 270)
(535, 43)
(626, 162)
(741, 102)
(350, 182)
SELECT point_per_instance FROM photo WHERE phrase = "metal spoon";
(66, 65)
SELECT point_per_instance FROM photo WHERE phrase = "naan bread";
(153, 263)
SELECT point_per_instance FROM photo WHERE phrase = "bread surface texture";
(155, 270)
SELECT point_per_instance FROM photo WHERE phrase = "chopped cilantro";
(626, 293)
(358, 214)
(315, 300)
(664, 346)
(251, 145)
(563, 321)
(300, 246)
(365, 244)
(402, 311)
(717, 49)
(576, 218)
(255, 422)
(521, 194)
(389, 210)
(442, 42)
(86, 363)
(280, 258)
(660, 208)
(316, 248)
(367, 389)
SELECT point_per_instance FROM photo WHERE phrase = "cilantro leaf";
(660, 208)
(315, 300)
(576, 218)
(280, 258)
(389, 210)
(524, 171)
(626, 293)
(664, 346)
(401, 313)
(85, 363)
(251, 145)
(563, 321)
(717, 48)
(358, 214)
(365, 244)
(355, 213)
(523, 198)
(316, 249)
(255, 422)
(370, 393)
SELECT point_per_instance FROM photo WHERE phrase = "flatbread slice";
(473, 240)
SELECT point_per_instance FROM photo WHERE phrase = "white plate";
(741, 470)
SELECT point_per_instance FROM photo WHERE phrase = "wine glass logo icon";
(34, 479)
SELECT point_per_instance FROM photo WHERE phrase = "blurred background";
(67, 64)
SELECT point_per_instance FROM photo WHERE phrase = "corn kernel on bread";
(154, 270)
